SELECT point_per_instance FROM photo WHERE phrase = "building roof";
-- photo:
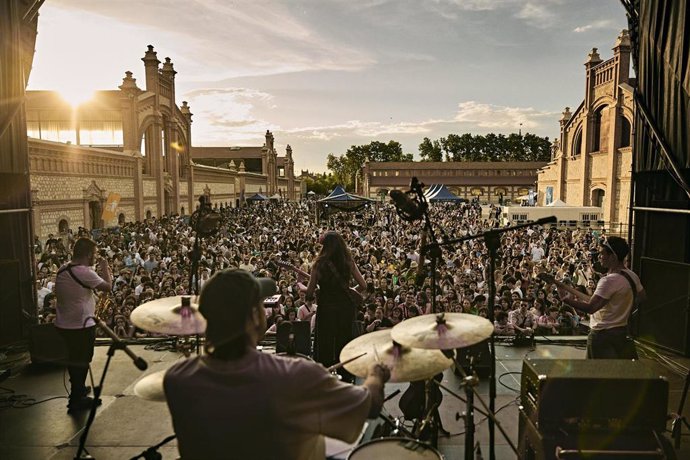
(455, 181)
(229, 153)
(455, 165)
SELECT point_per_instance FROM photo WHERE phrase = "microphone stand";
(115, 345)
(492, 239)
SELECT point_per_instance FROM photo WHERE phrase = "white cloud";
(471, 116)
(216, 39)
(536, 14)
(227, 116)
(602, 24)
(489, 116)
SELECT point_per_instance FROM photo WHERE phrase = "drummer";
(235, 402)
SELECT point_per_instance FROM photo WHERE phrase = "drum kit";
(415, 350)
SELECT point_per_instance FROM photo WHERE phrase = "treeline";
(346, 169)
(489, 147)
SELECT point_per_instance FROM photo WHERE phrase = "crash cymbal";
(444, 331)
(406, 364)
(150, 387)
(167, 316)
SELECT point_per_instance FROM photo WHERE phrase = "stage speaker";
(593, 395)
(10, 302)
(476, 358)
(664, 318)
(46, 345)
(302, 337)
(560, 444)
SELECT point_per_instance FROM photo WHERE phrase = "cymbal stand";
(470, 383)
(492, 240)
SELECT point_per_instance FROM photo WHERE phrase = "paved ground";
(126, 425)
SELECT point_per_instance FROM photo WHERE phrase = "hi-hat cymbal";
(406, 364)
(167, 316)
(444, 331)
(151, 387)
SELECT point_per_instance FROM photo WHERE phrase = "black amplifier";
(593, 395)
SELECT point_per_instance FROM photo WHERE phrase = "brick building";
(592, 160)
(136, 143)
(487, 181)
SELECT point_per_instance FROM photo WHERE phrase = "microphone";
(407, 207)
(139, 362)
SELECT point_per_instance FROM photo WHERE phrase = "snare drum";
(395, 449)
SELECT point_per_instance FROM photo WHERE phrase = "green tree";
(347, 168)
(493, 147)
(430, 151)
(321, 184)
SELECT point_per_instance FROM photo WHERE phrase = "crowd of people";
(152, 259)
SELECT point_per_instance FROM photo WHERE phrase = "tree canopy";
(489, 147)
(348, 167)
(321, 184)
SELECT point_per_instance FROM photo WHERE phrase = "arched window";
(598, 197)
(626, 133)
(182, 211)
(121, 219)
(63, 226)
(596, 130)
(577, 143)
(148, 214)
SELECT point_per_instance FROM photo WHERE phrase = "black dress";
(334, 317)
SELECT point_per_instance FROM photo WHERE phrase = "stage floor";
(126, 425)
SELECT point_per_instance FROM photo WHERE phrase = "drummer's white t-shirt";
(76, 303)
(261, 406)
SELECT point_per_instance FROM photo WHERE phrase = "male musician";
(236, 402)
(611, 304)
(76, 304)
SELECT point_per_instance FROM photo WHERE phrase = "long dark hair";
(334, 250)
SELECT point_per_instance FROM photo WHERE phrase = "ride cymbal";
(444, 331)
(168, 316)
(406, 364)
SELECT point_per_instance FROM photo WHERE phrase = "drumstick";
(339, 365)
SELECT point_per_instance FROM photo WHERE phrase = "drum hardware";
(447, 332)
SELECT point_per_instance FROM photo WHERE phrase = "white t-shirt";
(75, 303)
(260, 406)
(615, 288)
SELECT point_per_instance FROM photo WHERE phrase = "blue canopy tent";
(439, 192)
(257, 197)
(340, 200)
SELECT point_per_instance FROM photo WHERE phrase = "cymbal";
(406, 364)
(166, 316)
(444, 331)
(151, 387)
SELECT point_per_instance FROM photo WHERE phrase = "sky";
(323, 75)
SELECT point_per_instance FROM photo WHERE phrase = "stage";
(125, 425)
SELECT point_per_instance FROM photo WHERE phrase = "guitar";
(355, 296)
(549, 278)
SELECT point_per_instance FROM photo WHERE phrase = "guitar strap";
(68, 269)
(633, 309)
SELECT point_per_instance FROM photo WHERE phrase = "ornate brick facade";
(592, 161)
(135, 143)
